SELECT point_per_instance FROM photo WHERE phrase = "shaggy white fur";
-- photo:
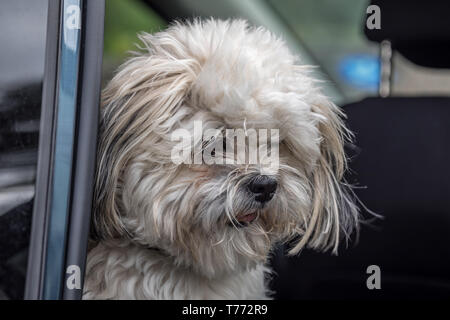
(165, 231)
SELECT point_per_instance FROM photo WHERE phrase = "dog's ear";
(333, 211)
(147, 90)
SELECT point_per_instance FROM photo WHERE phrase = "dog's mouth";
(247, 217)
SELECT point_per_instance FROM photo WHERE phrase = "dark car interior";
(400, 170)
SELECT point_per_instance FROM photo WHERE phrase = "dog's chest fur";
(131, 272)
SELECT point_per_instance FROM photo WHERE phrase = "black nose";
(263, 187)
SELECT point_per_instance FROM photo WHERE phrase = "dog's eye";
(206, 145)
(209, 147)
(224, 145)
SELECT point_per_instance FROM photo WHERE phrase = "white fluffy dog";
(180, 231)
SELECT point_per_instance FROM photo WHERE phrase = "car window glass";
(23, 24)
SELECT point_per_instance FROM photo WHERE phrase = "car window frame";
(40, 284)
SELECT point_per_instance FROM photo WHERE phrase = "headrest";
(419, 30)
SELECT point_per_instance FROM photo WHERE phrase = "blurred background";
(328, 34)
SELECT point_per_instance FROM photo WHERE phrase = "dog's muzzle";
(263, 188)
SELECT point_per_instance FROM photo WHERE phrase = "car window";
(23, 24)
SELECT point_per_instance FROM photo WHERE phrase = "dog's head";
(217, 217)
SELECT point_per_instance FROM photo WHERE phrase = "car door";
(50, 89)
(67, 149)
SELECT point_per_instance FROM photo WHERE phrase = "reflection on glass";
(23, 25)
